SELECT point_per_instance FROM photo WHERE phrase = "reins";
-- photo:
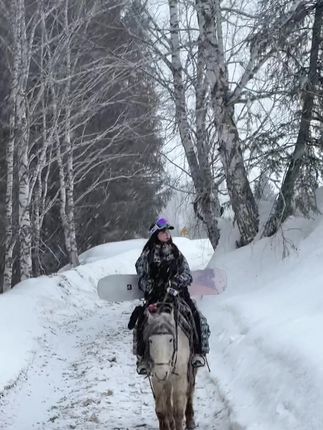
(175, 340)
(159, 310)
(173, 359)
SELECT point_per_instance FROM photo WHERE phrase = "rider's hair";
(153, 240)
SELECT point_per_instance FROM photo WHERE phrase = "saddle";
(182, 313)
(186, 321)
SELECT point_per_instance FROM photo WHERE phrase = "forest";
(95, 94)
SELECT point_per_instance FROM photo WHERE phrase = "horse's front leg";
(169, 408)
(163, 406)
(179, 402)
(164, 423)
(189, 413)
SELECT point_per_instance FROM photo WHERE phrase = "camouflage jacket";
(181, 279)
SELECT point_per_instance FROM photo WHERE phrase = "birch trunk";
(23, 139)
(283, 204)
(207, 199)
(36, 229)
(73, 254)
(62, 202)
(18, 139)
(24, 208)
(9, 240)
(61, 170)
(242, 199)
(64, 148)
(198, 161)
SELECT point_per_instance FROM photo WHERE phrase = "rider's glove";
(174, 284)
(172, 291)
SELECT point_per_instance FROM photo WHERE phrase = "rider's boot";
(198, 360)
(142, 368)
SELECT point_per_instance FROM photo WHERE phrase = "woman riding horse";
(162, 264)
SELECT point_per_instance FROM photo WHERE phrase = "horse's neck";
(183, 351)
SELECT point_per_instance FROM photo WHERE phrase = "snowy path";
(85, 379)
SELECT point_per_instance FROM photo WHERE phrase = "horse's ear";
(150, 316)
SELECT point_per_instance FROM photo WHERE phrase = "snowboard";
(124, 287)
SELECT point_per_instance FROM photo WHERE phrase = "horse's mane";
(160, 322)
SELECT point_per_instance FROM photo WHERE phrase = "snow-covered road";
(84, 378)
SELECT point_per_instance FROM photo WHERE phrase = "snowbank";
(266, 330)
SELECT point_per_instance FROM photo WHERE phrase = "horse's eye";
(150, 341)
(170, 340)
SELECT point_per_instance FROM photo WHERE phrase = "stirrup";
(198, 360)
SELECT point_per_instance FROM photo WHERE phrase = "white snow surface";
(66, 361)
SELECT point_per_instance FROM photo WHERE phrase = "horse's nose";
(161, 376)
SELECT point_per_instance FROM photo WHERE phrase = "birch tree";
(18, 140)
(283, 204)
(69, 124)
(265, 41)
(10, 147)
(241, 197)
(178, 68)
(197, 155)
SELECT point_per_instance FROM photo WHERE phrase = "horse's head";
(160, 337)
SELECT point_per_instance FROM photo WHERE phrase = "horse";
(170, 371)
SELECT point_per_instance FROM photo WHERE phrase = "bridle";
(173, 360)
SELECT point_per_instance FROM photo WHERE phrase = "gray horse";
(172, 375)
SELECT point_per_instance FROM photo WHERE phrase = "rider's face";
(163, 235)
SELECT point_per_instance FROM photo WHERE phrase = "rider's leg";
(141, 362)
(197, 321)
(198, 359)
